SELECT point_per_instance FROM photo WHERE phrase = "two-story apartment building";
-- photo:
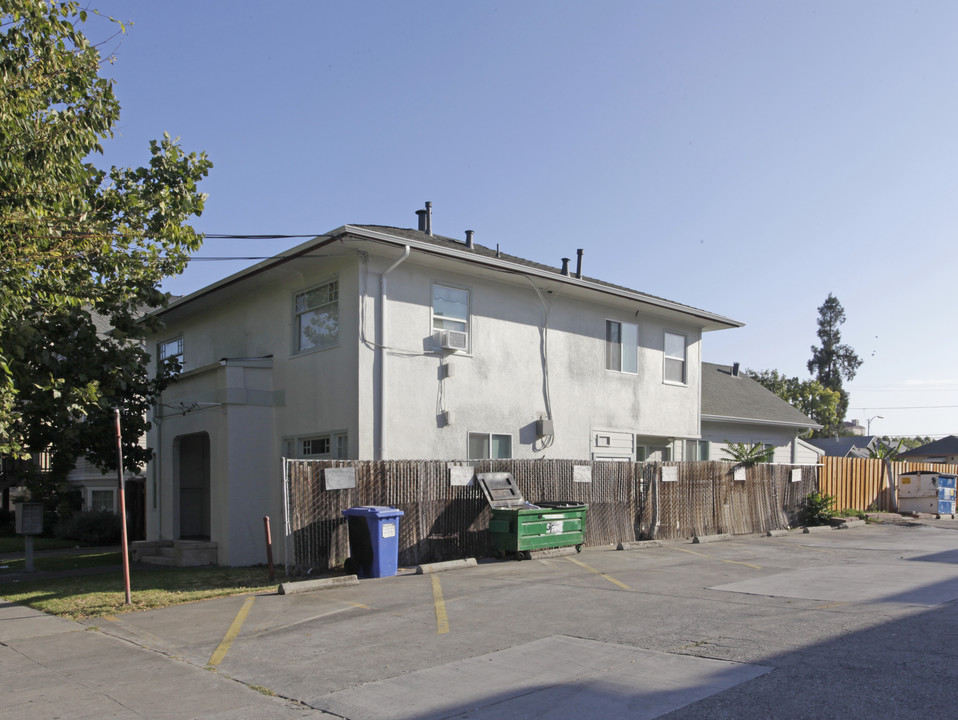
(385, 343)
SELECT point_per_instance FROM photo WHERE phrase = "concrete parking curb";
(711, 538)
(639, 544)
(849, 524)
(301, 586)
(817, 528)
(435, 567)
(777, 533)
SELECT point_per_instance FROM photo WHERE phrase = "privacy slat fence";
(862, 483)
(626, 501)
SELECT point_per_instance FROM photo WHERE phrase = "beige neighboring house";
(374, 342)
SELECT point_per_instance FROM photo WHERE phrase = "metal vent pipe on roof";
(469, 234)
(735, 367)
(422, 220)
(565, 266)
(428, 218)
(578, 264)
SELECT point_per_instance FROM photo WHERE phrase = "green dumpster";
(519, 527)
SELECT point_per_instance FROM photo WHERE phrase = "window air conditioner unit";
(453, 340)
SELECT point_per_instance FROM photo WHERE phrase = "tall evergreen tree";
(833, 362)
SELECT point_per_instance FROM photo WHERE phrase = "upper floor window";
(485, 446)
(621, 346)
(674, 370)
(171, 352)
(317, 317)
(450, 314)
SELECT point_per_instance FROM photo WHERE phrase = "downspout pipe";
(383, 344)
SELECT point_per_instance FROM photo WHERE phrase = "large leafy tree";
(810, 396)
(833, 362)
(82, 249)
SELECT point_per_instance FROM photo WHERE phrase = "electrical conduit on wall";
(383, 297)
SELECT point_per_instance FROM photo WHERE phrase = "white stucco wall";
(498, 385)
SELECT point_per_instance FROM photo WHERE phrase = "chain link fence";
(443, 520)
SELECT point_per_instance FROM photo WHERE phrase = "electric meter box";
(29, 518)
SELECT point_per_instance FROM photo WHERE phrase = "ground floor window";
(485, 446)
(328, 446)
(101, 500)
(696, 450)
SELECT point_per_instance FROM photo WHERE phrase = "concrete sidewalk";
(51, 667)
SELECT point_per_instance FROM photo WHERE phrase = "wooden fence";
(444, 520)
(863, 483)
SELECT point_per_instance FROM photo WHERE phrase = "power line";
(906, 407)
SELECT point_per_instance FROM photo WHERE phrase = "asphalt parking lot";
(848, 623)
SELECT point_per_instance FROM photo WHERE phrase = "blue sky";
(744, 157)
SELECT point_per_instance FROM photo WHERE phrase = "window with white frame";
(317, 317)
(485, 446)
(329, 446)
(170, 353)
(450, 309)
(675, 353)
(621, 346)
(101, 500)
(696, 450)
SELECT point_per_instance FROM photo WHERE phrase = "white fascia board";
(760, 421)
(713, 320)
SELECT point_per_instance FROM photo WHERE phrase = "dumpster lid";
(500, 489)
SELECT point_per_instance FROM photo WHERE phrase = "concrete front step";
(175, 553)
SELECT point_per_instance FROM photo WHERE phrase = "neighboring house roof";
(943, 447)
(458, 250)
(849, 446)
(731, 397)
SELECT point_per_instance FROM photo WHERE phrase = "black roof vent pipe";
(565, 266)
(578, 264)
(735, 367)
(429, 218)
(469, 234)
(422, 220)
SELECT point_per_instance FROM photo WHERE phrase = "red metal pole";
(269, 549)
(119, 474)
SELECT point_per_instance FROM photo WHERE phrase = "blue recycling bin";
(374, 539)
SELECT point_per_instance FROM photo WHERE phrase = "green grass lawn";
(62, 562)
(83, 596)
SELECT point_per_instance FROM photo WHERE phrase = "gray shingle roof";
(725, 395)
(944, 446)
(490, 253)
(848, 446)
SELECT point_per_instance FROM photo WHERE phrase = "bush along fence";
(447, 517)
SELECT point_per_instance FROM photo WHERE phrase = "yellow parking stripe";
(231, 634)
(442, 620)
(733, 562)
(599, 573)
